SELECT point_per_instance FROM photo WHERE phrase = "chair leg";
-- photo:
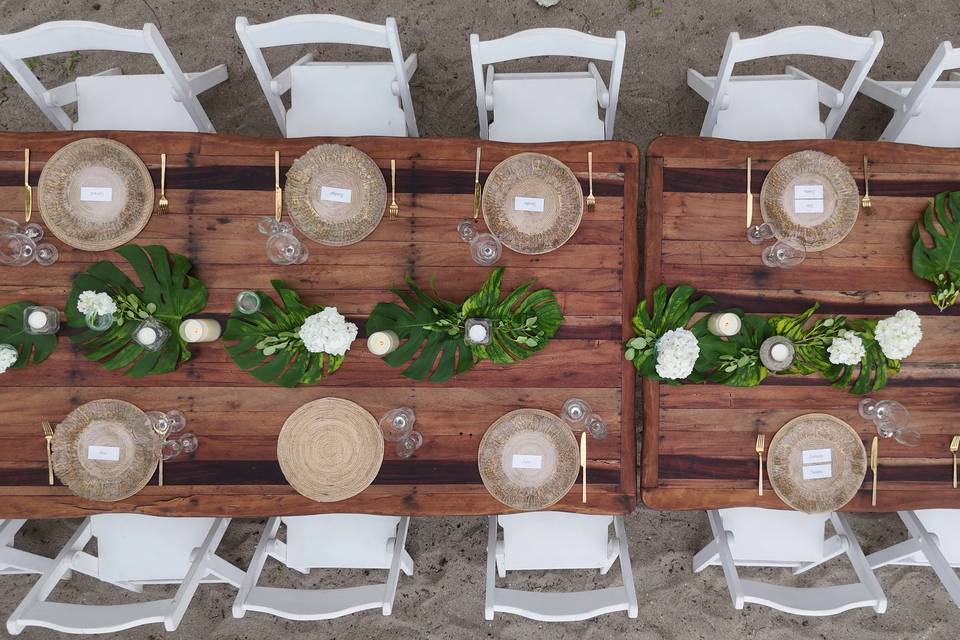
(836, 546)
(706, 556)
(626, 570)
(859, 561)
(252, 576)
(491, 580)
(393, 577)
(198, 570)
(894, 554)
(720, 536)
(931, 550)
(613, 552)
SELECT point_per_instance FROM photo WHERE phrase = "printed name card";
(817, 471)
(333, 194)
(526, 461)
(111, 454)
(528, 204)
(96, 194)
(817, 456)
(808, 198)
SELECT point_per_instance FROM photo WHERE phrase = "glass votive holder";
(776, 353)
(575, 411)
(40, 321)
(396, 424)
(596, 427)
(98, 321)
(478, 331)
(151, 334)
(248, 302)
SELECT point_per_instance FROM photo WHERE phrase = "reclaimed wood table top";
(698, 439)
(218, 186)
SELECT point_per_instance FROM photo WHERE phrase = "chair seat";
(945, 524)
(129, 103)
(937, 124)
(554, 540)
(784, 108)
(560, 607)
(344, 99)
(545, 109)
(805, 601)
(302, 604)
(779, 537)
(87, 619)
(340, 541)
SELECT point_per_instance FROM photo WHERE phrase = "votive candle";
(779, 352)
(199, 330)
(724, 324)
(383, 342)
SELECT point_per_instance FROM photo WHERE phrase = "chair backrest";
(554, 540)
(802, 40)
(945, 524)
(320, 29)
(945, 58)
(132, 547)
(342, 540)
(774, 536)
(549, 42)
(77, 35)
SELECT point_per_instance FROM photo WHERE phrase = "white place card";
(817, 456)
(808, 191)
(334, 194)
(817, 471)
(526, 461)
(111, 454)
(808, 206)
(528, 204)
(96, 194)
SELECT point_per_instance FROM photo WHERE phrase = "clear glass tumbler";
(759, 233)
(16, 249)
(485, 249)
(596, 427)
(286, 249)
(575, 412)
(47, 254)
(782, 254)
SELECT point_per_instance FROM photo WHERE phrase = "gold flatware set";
(48, 436)
(761, 445)
(477, 189)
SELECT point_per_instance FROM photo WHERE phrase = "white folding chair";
(554, 540)
(786, 106)
(108, 100)
(132, 551)
(336, 541)
(934, 542)
(15, 561)
(334, 98)
(547, 107)
(925, 111)
(749, 537)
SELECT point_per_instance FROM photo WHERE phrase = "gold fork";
(48, 435)
(477, 189)
(591, 201)
(27, 190)
(277, 191)
(163, 205)
(761, 443)
(873, 467)
(865, 200)
(394, 208)
(954, 447)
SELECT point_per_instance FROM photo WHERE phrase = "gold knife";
(27, 191)
(873, 467)
(477, 190)
(278, 199)
(583, 461)
(749, 195)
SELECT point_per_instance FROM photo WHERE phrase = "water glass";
(170, 449)
(397, 424)
(485, 249)
(759, 233)
(175, 420)
(16, 249)
(891, 419)
(33, 231)
(596, 427)
(575, 412)
(47, 254)
(467, 230)
(188, 442)
(9, 226)
(285, 249)
(248, 302)
(407, 445)
(783, 254)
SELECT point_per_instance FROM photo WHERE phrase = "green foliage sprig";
(939, 262)
(31, 349)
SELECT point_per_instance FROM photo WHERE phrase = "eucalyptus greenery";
(31, 349)
(939, 261)
(433, 329)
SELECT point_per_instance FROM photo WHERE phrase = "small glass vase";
(98, 321)
(477, 331)
(248, 302)
(40, 321)
(151, 334)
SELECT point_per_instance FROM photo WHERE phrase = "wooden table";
(218, 186)
(698, 440)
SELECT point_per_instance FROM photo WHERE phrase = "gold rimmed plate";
(95, 194)
(335, 195)
(532, 203)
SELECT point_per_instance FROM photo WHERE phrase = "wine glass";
(9, 226)
(176, 421)
(485, 249)
(33, 231)
(170, 449)
(784, 254)
(397, 423)
(758, 233)
(269, 226)
(596, 427)
(16, 249)
(407, 445)
(285, 249)
(891, 419)
(47, 254)
(188, 442)
(158, 422)
(575, 411)
(467, 230)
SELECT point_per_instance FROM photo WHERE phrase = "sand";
(444, 599)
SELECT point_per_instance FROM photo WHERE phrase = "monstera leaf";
(32, 349)
(433, 329)
(266, 344)
(939, 263)
(166, 292)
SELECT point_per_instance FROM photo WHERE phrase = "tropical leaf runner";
(936, 248)
(31, 349)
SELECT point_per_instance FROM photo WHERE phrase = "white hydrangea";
(677, 352)
(847, 348)
(328, 332)
(899, 334)
(8, 357)
(100, 303)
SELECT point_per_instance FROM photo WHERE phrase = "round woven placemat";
(97, 163)
(841, 199)
(105, 423)
(339, 167)
(532, 175)
(539, 437)
(330, 449)
(785, 463)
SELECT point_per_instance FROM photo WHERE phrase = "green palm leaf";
(167, 292)
(31, 349)
(939, 263)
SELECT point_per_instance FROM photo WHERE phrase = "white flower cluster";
(328, 332)
(93, 302)
(8, 357)
(677, 352)
(899, 334)
(847, 348)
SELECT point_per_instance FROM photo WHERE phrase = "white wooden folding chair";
(336, 541)
(934, 542)
(749, 537)
(925, 111)
(15, 561)
(334, 98)
(547, 107)
(785, 106)
(554, 540)
(108, 100)
(132, 551)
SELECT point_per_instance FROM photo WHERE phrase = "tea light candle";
(383, 342)
(477, 333)
(37, 319)
(199, 330)
(779, 352)
(724, 324)
(147, 336)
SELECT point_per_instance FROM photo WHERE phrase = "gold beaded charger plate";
(335, 195)
(532, 203)
(95, 194)
(330, 449)
(529, 459)
(812, 197)
(105, 450)
(816, 463)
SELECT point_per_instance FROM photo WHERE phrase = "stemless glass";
(188, 442)
(575, 411)
(596, 427)
(784, 255)
(758, 233)
(47, 254)
(286, 249)
(485, 249)
(16, 249)
(467, 230)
